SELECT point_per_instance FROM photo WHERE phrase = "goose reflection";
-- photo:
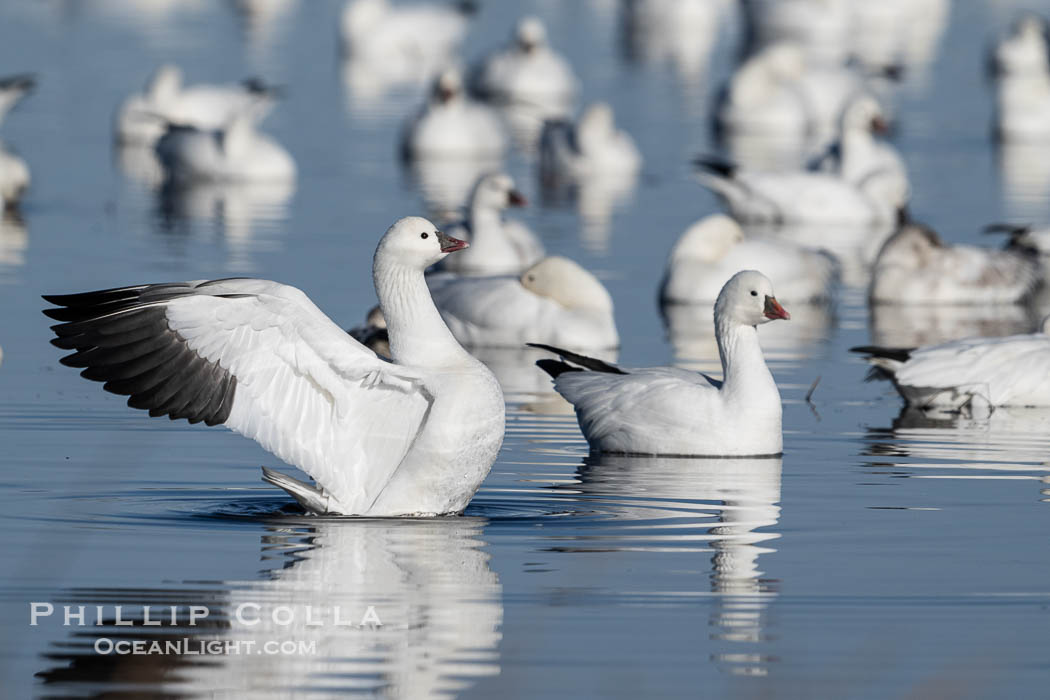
(854, 247)
(728, 505)
(910, 326)
(446, 183)
(1007, 443)
(691, 332)
(1025, 172)
(238, 210)
(14, 241)
(428, 583)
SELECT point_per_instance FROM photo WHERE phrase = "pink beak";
(774, 310)
(516, 199)
(450, 244)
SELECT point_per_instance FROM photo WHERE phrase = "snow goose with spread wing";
(411, 437)
(667, 410)
(498, 246)
(915, 266)
(555, 301)
(977, 372)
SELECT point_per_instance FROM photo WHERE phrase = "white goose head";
(748, 300)
(496, 191)
(565, 282)
(448, 86)
(913, 247)
(530, 34)
(416, 243)
(708, 240)
(864, 114)
(165, 84)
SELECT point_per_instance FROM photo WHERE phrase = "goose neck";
(743, 365)
(418, 334)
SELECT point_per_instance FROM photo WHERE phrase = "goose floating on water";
(672, 411)
(411, 437)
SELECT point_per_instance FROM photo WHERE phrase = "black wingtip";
(718, 166)
(1011, 229)
(556, 368)
(20, 81)
(583, 361)
(898, 354)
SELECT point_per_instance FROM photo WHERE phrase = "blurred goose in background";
(498, 246)
(858, 154)
(1024, 51)
(666, 410)
(12, 89)
(234, 153)
(803, 197)
(410, 40)
(915, 266)
(554, 301)
(680, 32)
(415, 436)
(142, 117)
(451, 125)
(973, 372)
(529, 72)
(593, 147)
(713, 249)
(1023, 97)
(821, 27)
(898, 34)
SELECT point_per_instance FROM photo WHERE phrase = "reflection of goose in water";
(238, 211)
(14, 240)
(718, 501)
(681, 33)
(429, 584)
(908, 326)
(1007, 444)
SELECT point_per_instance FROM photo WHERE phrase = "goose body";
(451, 125)
(593, 147)
(498, 246)
(803, 197)
(987, 372)
(667, 410)
(713, 249)
(858, 155)
(554, 301)
(528, 71)
(415, 436)
(236, 153)
(915, 266)
(142, 117)
(1023, 106)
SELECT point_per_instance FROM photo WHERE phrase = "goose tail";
(311, 498)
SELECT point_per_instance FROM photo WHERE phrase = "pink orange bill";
(774, 310)
(450, 244)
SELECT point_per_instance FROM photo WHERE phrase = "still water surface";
(887, 554)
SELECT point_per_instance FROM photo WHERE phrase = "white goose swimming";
(666, 410)
(415, 38)
(915, 266)
(555, 301)
(858, 155)
(804, 197)
(713, 249)
(528, 71)
(498, 246)
(237, 152)
(592, 147)
(143, 116)
(14, 177)
(411, 437)
(976, 372)
(451, 125)
(1025, 50)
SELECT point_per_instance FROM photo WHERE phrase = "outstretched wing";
(260, 358)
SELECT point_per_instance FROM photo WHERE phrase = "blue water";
(886, 555)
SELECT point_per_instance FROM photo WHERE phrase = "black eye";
(425, 235)
(753, 292)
